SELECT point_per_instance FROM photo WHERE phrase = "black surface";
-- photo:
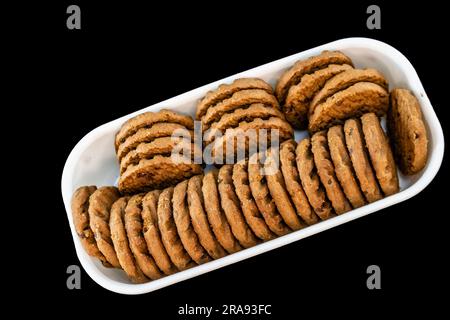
(129, 56)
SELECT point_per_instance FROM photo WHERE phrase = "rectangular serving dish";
(93, 161)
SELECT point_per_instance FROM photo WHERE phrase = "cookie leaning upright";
(407, 131)
(298, 85)
(144, 147)
(242, 108)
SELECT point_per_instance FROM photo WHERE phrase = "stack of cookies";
(325, 89)
(240, 109)
(145, 150)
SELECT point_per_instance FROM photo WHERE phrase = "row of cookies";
(144, 146)
(243, 105)
(326, 89)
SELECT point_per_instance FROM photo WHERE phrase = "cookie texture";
(148, 119)
(80, 215)
(380, 153)
(249, 208)
(225, 91)
(354, 101)
(346, 79)
(120, 240)
(358, 154)
(297, 104)
(407, 131)
(169, 233)
(292, 182)
(263, 199)
(343, 166)
(216, 216)
(185, 229)
(155, 173)
(232, 210)
(302, 67)
(310, 180)
(100, 203)
(151, 232)
(138, 246)
(325, 170)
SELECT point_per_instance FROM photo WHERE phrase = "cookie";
(184, 226)
(121, 244)
(138, 246)
(343, 166)
(100, 203)
(242, 134)
(231, 208)
(360, 161)
(169, 235)
(149, 119)
(344, 80)
(299, 96)
(155, 173)
(310, 180)
(263, 199)
(325, 170)
(239, 99)
(151, 232)
(80, 215)
(146, 135)
(293, 184)
(232, 120)
(380, 153)
(302, 67)
(354, 101)
(249, 209)
(407, 130)
(225, 91)
(161, 146)
(216, 216)
(200, 220)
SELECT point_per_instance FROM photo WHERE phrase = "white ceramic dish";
(93, 162)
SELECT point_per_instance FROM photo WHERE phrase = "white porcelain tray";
(93, 162)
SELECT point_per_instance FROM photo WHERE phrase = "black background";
(129, 56)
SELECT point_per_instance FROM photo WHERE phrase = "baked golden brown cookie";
(231, 207)
(169, 234)
(354, 101)
(325, 170)
(310, 180)
(147, 135)
(80, 215)
(138, 246)
(100, 203)
(407, 131)
(155, 173)
(151, 232)
(380, 153)
(300, 95)
(121, 244)
(149, 119)
(361, 164)
(225, 91)
(302, 67)
(263, 199)
(249, 209)
(200, 220)
(238, 100)
(293, 184)
(343, 166)
(185, 229)
(216, 216)
(344, 80)
(278, 191)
